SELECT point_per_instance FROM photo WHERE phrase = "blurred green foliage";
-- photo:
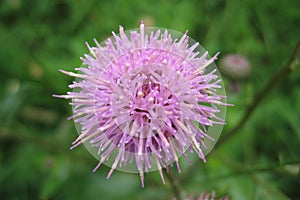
(38, 37)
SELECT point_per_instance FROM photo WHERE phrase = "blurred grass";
(39, 37)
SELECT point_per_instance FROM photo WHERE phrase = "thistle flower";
(143, 97)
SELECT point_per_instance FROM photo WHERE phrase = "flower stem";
(175, 185)
(292, 65)
(274, 80)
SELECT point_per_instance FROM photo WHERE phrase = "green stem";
(275, 79)
(175, 185)
(292, 65)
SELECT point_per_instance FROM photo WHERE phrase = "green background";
(39, 37)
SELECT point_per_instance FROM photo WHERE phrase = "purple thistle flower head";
(145, 96)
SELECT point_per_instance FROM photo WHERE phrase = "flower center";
(153, 104)
(144, 102)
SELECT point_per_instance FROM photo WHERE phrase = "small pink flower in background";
(235, 67)
(143, 97)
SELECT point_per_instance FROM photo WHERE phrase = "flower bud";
(235, 67)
